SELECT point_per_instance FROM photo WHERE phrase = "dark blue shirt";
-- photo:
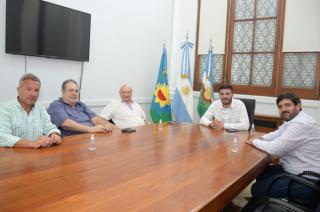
(60, 111)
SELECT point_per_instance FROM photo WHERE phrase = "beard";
(287, 116)
(226, 101)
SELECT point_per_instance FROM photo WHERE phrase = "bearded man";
(226, 113)
(296, 143)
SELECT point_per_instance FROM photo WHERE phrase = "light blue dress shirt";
(16, 124)
(297, 142)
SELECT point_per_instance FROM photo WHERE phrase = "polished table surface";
(179, 168)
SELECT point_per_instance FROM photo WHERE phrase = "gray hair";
(124, 86)
(29, 76)
(64, 84)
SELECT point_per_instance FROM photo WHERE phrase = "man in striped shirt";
(296, 143)
(24, 123)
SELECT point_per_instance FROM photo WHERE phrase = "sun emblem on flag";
(185, 87)
(185, 90)
(162, 95)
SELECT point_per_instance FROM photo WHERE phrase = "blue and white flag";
(182, 104)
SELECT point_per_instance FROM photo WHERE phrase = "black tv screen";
(40, 28)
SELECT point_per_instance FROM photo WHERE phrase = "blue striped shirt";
(297, 142)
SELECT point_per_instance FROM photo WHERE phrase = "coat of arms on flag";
(206, 92)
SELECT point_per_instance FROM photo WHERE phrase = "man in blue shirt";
(72, 116)
(24, 123)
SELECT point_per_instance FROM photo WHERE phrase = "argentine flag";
(182, 104)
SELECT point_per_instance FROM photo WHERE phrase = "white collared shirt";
(297, 142)
(233, 117)
(123, 115)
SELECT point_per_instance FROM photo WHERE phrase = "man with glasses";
(72, 116)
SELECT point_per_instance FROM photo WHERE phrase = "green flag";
(206, 92)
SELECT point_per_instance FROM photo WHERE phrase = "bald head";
(125, 93)
(125, 86)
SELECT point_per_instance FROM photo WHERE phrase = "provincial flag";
(161, 102)
(206, 92)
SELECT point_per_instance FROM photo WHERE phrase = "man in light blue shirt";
(24, 123)
(296, 143)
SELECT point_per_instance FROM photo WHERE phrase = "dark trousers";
(280, 188)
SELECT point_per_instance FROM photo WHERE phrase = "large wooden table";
(181, 168)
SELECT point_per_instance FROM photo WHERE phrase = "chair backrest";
(267, 204)
(316, 197)
(250, 106)
(318, 208)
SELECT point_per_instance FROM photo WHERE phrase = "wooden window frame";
(255, 90)
(303, 93)
(196, 85)
(278, 61)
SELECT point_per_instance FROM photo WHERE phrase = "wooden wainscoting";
(266, 123)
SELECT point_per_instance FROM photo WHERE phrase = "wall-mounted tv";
(40, 28)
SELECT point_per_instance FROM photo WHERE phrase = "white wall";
(213, 24)
(126, 46)
(184, 22)
(302, 27)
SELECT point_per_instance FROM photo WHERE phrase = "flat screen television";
(40, 28)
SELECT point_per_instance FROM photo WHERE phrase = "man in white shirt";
(125, 113)
(226, 113)
(296, 142)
